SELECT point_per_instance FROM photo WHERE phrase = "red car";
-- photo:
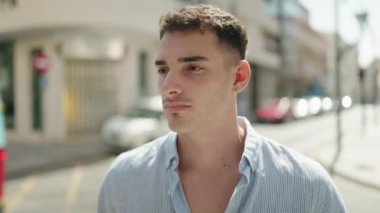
(274, 110)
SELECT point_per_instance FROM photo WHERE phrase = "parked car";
(142, 124)
(274, 110)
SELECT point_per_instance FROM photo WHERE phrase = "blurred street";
(77, 76)
(75, 188)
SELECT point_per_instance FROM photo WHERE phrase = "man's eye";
(194, 68)
(162, 71)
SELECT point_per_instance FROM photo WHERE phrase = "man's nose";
(171, 84)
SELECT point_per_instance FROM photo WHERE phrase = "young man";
(213, 161)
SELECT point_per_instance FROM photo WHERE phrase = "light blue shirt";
(274, 179)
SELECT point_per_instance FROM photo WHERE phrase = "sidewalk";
(359, 160)
(27, 158)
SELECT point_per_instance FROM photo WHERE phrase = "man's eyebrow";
(159, 62)
(193, 58)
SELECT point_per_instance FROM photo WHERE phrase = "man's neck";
(218, 148)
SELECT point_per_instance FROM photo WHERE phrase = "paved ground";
(360, 156)
(25, 158)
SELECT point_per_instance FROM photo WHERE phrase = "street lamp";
(339, 52)
(362, 19)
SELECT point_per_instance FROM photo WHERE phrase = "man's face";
(195, 80)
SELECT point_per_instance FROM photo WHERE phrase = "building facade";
(311, 67)
(349, 70)
(66, 66)
(98, 57)
(303, 52)
(263, 55)
(371, 83)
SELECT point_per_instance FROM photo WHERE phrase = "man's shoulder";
(291, 174)
(131, 172)
(142, 157)
(291, 162)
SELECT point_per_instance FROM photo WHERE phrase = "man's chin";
(178, 127)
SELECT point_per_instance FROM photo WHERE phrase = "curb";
(347, 176)
(339, 169)
(25, 159)
(55, 165)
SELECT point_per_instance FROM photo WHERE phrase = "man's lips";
(172, 106)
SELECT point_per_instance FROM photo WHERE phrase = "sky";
(322, 18)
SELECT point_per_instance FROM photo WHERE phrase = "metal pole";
(377, 97)
(376, 66)
(363, 99)
(337, 89)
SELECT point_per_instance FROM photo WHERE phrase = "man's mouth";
(175, 106)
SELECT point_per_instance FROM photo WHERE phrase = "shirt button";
(174, 163)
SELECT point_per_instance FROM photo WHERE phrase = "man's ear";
(241, 76)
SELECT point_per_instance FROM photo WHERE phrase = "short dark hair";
(228, 29)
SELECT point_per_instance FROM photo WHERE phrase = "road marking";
(11, 203)
(72, 191)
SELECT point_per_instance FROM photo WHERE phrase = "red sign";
(41, 63)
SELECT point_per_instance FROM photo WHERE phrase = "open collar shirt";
(274, 179)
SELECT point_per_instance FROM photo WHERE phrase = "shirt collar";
(251, 147)
(171, 159)
(250, 155)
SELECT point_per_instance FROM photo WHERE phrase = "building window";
(272, 43)
(143, 69)
(7, 4)
(7, 83)
(38, 82)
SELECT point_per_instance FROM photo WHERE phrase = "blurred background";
(78, 85)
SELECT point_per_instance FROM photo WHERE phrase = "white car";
(141, 125)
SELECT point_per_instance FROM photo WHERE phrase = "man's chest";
(168, 193)
(209, 192)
